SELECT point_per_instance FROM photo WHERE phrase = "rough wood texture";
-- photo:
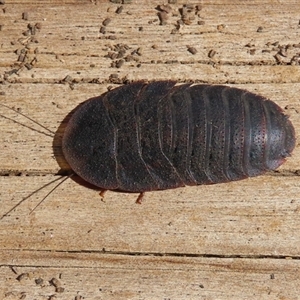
(230, 241)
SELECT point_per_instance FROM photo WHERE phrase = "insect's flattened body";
(151, 145)
(154, 136)
(216, 118)
(182, 127)
(280, 143)
(237, 132)
(131, 171)
(82, 148)
(256, 135)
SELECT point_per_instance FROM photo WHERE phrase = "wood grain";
(231, 241)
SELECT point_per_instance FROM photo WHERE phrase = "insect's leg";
(102, 193)
(140, 198)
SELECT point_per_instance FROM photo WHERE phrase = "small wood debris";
(187, 13)
(39, 281)
(67, 79)
(119, 63)
(23, 276)
(57, 284)
(164, 7)
(220, 27)
(198, 8)
(139, 51)
(38, 26)
(163, 17)
(192, 50)
(25, 15)
(102, 29)
(119, 10)
(119, 54)
(283, 51)
(106, 21)
(278, 58)
(211, 53)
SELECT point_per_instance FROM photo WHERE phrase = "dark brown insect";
(143, 137)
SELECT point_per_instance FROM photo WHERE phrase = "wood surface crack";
(162, 254)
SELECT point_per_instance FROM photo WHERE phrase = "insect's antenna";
(24, 199)
(51, 192)
(28, 118)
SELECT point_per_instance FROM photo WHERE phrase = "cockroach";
(144, 137)
(155, 136)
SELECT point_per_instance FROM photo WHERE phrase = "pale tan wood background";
(238, 240)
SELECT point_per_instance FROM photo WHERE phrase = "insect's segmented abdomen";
(221, 126)
(158, 136)
(221, 134)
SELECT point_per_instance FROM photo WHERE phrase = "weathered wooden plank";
(82, 53)
(257, 48)
(253, 217)
(98, 276)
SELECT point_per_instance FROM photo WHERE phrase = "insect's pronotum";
(155, 136)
